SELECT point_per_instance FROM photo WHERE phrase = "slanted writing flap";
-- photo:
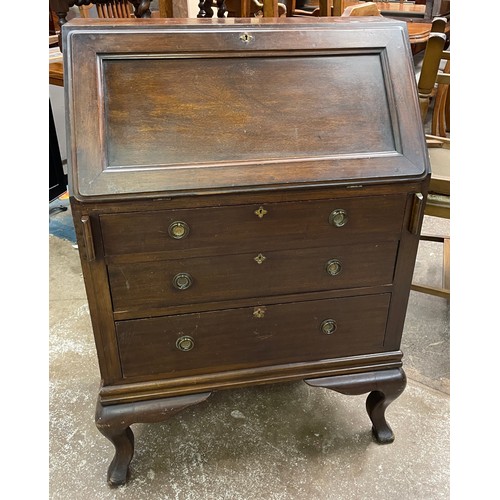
(160, 108)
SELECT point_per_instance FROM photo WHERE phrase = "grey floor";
(286, 441)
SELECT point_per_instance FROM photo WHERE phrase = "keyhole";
(245, 38)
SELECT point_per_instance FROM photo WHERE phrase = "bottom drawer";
(209, 342)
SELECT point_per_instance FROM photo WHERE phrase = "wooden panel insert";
(220, 109)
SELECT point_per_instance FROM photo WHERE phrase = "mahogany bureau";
(247, 197)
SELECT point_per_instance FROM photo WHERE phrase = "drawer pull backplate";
(338, 218)
(185, 343)
(329, 326)
(178, 230)
(333, 267)
(182, 281)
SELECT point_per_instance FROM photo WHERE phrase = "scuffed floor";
(285, 441)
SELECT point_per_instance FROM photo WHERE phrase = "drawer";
(149, 285)
(275, 225)
(214, 341)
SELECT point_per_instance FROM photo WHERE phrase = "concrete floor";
(285, 441)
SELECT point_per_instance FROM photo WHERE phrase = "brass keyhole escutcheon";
(246, 38)
(338, 218)
(329, 326)
(259, 312)
(182, 281)
(260, 212)
(333, 267)
(259, 259)
(178, 230)
(185, 343)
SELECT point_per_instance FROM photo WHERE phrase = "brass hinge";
(87, 238)
(417, 209)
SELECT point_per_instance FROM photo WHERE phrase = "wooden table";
(418, 31)
(55, 67)
(395, 8)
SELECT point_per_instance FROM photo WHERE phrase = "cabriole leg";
(384, 387)
(114, 421)
(123, 441)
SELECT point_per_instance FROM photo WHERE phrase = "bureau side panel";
(405, 265)
(97, 288)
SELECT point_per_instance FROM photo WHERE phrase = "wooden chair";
(61, 7)
(109, 10)
(242, 8)
(361, 9)
(124, 9)
(424, 10)
(171, 8)
(433, 92)
(337, 7)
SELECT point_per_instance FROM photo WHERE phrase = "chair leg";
(444, 290)
(446, 264)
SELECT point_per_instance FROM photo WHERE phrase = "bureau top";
(171, 107)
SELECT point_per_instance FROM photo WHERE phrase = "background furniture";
(361, 9)
(170, 9)
(58, 180)
(124, 8)
(433, 92)
(110, 9)
(419, 26)
(241, 8)
(107, 8)
(417, 10)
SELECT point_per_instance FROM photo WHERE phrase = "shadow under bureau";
(247, 197)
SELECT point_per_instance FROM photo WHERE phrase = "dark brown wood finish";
(358, 153)
(265, 335)
(138, 285)
(114, 423)
(231, 232)
(384, 387)
(270, 225)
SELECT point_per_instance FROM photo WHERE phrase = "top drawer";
(271, 226)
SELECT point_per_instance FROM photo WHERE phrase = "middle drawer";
(160, 284)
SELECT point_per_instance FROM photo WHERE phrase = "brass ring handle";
(338, 217)
(182, 281)
(329, 326)
(185, 343)
(178, 230)
(333, 267)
